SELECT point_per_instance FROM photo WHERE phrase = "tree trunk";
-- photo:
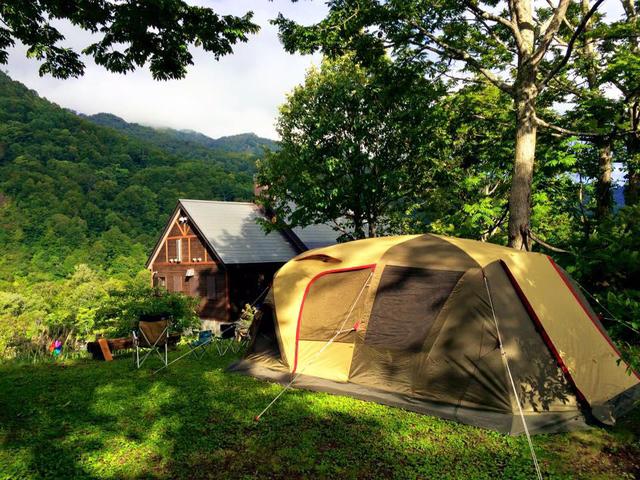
(603, 181)
(373, 228)
(632, 192)
(604, 200)
(358, 227)
(526, 133)
(358, 230)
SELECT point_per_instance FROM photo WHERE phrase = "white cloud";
(239, 93)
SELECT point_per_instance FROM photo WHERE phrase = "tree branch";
(551, 30)
(482, 14)
(517, 34)
(470, 80)
(561, 64)
(565, 131)
(457, 54)
(564, 17)
(493, 35)
(537, 239)
(493, 189)
(478, 12)
(487, 234)
(569, 88)
(629, 9)
(339, 228)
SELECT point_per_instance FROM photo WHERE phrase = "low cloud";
(239, 93)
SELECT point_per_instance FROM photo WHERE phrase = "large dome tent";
(455, 328)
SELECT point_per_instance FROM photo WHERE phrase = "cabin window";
(179, 250)
(177, 283)
(211, 287)
(161, 282)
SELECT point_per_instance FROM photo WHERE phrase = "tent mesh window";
(407, 302)
(328, 302)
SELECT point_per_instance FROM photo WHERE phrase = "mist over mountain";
(185, 142)
(97, 190)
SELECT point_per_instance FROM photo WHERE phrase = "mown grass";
(87, 419)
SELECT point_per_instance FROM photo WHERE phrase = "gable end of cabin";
(183, 262)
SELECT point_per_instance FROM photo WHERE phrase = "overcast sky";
(239, 93)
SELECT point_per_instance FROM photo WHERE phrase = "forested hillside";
(73, 192)
(189, 144)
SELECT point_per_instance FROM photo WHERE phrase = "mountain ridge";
(74, 192)
(182, 139)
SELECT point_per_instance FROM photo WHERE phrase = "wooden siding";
(206, 272)
(233, 286)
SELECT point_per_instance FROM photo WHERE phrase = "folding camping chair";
(200, 346)
(152, 336)
(224, 339)
(233, 337)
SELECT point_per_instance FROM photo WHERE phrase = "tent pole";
(513, 384)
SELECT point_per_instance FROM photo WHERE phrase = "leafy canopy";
(354, 143)
(130, 34)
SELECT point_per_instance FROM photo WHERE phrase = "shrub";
(129, 301)
(76, 309)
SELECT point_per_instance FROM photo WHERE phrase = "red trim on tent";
(372, 266)
(588, 311)
(543, 333)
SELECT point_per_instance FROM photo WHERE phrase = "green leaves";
(355, 140)
(133, 34)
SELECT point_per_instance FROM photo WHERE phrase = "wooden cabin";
(218, 252)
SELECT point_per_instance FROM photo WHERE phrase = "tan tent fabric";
(333, 364)
(423, 334)
(430, 251)
(542, 382)
(292, 280)
(584, 350)
(568, 323)
(333, 302)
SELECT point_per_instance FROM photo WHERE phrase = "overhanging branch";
(537, 239)
(457, 54)
(578, 31)
(566, 131)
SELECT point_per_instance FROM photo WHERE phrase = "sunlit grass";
(88, 419)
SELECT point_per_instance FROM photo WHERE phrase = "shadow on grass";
(106, 420)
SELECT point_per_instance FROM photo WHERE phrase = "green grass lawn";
(89, 419)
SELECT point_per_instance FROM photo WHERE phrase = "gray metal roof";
(316, 236)
(232, 230)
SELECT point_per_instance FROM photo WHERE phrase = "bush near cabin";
(76, 309)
